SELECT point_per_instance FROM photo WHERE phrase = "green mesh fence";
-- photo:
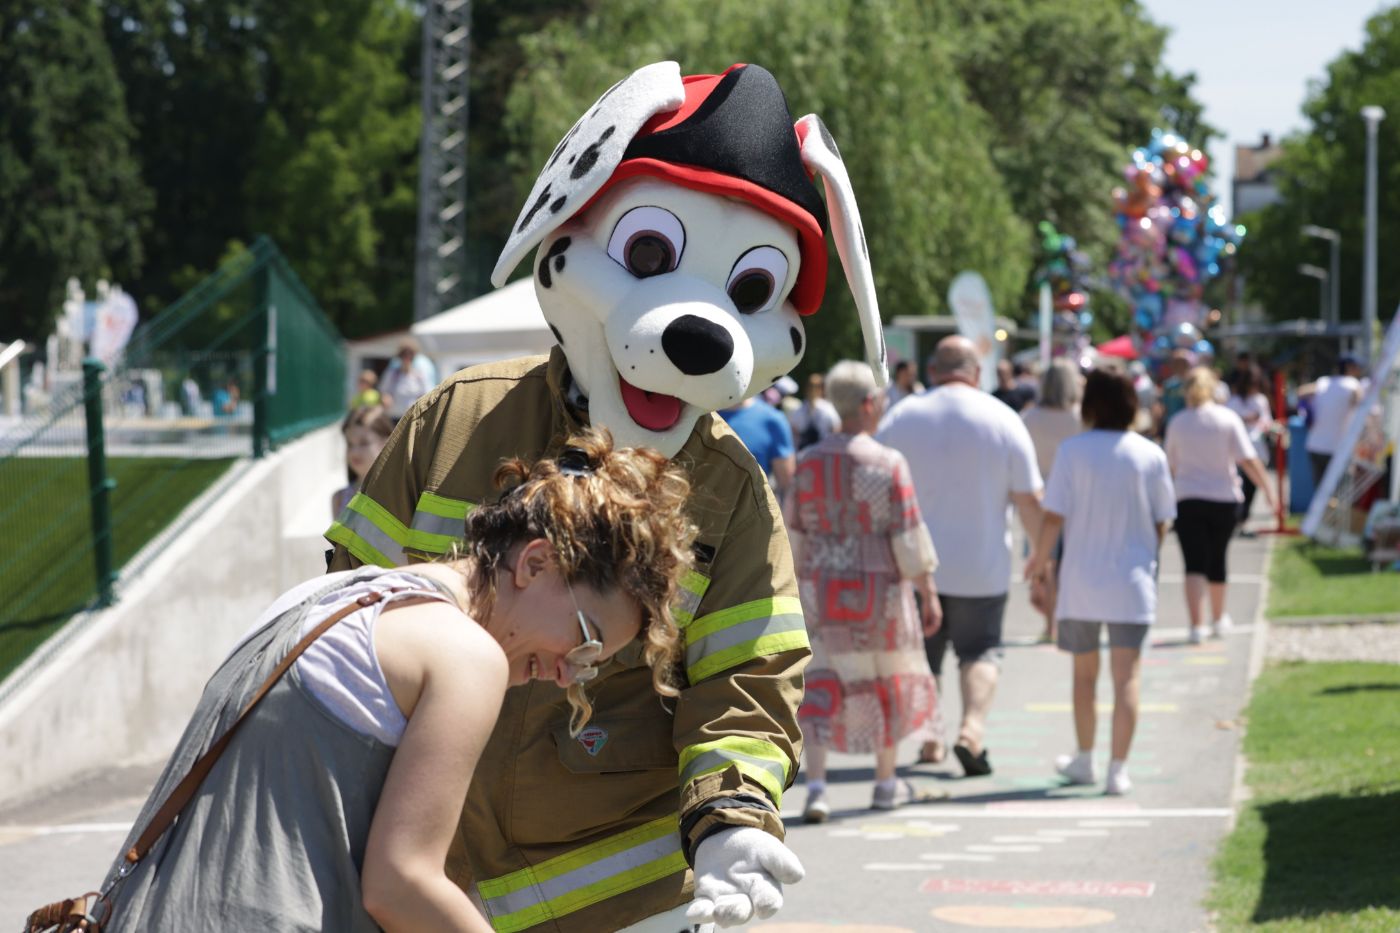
(96, 473)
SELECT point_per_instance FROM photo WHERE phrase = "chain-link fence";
(95, 473)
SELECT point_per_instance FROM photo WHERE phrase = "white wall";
(123, 686)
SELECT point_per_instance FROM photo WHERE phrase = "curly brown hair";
(615, 518)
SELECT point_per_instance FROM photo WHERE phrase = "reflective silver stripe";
(718, 760)
(438, 525)
(742, 633)
(373, 535)
(581, 877)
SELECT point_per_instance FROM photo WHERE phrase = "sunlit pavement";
(1019, 849)
(1015, 850)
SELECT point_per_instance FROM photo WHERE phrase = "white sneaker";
(1222, 626)
(1195, 636)
(817, 809)
(1118, 783)
(1077, 769)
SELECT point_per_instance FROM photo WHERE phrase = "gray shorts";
(1082, 637)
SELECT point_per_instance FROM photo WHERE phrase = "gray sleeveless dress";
(275, 836)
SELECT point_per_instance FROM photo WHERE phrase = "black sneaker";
(972, 765)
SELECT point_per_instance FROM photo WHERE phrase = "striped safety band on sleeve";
(762, 762)
(438, 523)
(730, 637)
(585, 876)
(375, 536)
(693, 586)
(370, 532)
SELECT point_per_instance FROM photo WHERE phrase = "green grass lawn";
(1307, 579)
(1318, 845)
(46, 568)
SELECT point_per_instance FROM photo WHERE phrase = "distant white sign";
(972, 306)
(116, 319)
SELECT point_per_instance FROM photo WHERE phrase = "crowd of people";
(898, 504)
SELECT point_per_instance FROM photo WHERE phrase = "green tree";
(917, 149)
(1321, 180)
(72, 202)
(1070, 89)
(296, 120)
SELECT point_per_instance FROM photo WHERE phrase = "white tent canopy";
(499, 325)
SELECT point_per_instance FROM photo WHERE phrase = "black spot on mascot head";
(556, 253)
(796, 336)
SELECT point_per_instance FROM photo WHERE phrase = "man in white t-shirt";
(1335, 398)
(971, 457)
(817, 417)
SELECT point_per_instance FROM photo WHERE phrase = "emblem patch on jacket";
(593, 739)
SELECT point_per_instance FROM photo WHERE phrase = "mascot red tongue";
(652, 410)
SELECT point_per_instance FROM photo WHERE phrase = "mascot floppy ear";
(587, 155)
(821, 157)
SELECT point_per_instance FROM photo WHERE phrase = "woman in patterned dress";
(861, 549)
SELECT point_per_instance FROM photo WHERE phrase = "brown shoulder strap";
(184, 791)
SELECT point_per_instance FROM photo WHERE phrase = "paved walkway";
(1018, 849)
(1015, 850)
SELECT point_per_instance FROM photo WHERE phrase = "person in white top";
(409, 376)
(1050, 421)
(1247, 399)
(1111, 494)
(1334, 400)
(816, 417)
(970, 457)
(1204, 443)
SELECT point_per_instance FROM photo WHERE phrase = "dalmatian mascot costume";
(679, 241)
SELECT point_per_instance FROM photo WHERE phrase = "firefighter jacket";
(594, 833)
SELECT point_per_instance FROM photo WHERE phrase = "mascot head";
(681, 242)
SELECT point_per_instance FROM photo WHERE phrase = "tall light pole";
(1334, 276)
(1321, 275)
(1373, 115)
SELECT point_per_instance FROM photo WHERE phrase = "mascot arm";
(736, 724)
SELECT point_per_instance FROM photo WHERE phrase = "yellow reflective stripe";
(441, 505)
(738, 654)
(585, 876)
(381, 517)
(761, 761)
(693, 586)
(364, 552)
(744, 612)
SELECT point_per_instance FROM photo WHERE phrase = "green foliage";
(1070, 88)
(1321, 178)
(71, 200)
(296, 120)
(917, 150)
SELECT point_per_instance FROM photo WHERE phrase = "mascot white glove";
(739, 875)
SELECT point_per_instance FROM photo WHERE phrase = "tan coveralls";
(586, 835)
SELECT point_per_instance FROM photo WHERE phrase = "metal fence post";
(262, 294)
(100, 486)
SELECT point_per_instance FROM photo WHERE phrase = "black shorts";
(973, 625)
(1204, 528)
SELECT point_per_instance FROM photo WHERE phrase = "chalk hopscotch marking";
(995, 917)
(1100, 707)
(1038, 888)
(1113, 824)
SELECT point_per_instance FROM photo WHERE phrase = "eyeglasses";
(583, 658)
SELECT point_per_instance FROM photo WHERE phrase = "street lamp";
(1334, 239)
(1373, 115)
(1319, 273)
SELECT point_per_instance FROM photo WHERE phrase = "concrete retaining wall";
(124, 681)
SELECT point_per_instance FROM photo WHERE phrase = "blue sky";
(1254, 58)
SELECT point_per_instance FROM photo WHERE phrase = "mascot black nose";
(697, 346)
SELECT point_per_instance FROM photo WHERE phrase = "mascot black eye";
(757, 279)
(647, 241)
